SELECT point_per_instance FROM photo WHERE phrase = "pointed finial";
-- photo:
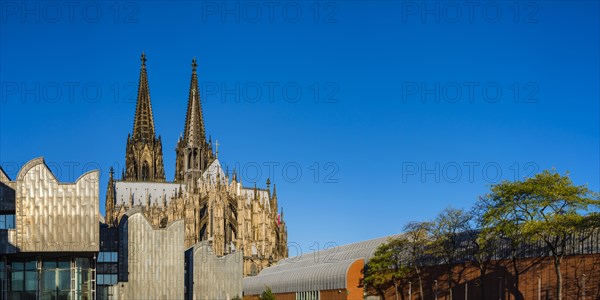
(111, 173)
(268, 183)
(194, 64)
(274, 190)
(143, 59)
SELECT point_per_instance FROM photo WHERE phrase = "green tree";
(387, 266)
(481, 243)
(548, 208)
(417, 237)
(504, 225)
(267, 294)
(447, 233)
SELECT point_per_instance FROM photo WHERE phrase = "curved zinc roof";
(322, 270)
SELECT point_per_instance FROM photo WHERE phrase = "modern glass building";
(47, 278)
(48, 235)
(54, 245)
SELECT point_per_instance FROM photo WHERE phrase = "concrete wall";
(153, 263)
(213, 277)
(53, 216)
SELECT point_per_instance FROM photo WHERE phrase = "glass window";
(7, 221)
(10, 221)
(106, 279)
(64, 265)
(18, 266)
(49, 265)
(31, 281)
(17, 281)
(49, 280)
(18, 276)
(64, 280)
(1, 271)
(107, 257)
(83, 263)
(102, 268)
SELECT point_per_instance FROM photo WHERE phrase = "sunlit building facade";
(48, 235)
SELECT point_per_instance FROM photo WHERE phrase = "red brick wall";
(499, 283)
(355, 290)
(334, 294)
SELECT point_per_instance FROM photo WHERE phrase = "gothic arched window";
(145, 171)
(203, 233)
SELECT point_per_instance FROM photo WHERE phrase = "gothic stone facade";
(215, 206)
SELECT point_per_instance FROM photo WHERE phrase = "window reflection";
(55, 279)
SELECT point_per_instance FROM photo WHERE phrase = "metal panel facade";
(155, 260)
(214, 277)
(53, 216)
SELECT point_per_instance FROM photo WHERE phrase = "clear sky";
(366, 115)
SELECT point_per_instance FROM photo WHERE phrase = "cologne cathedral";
(215, 206)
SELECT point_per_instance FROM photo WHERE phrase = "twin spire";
(143, 124)
(194, 135)
(194, 152)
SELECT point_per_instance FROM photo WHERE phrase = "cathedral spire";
(143, 157)
(110, 198)
(274, 200)
(193, 133)
(194, 154)
(143, 123)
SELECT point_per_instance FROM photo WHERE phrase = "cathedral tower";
(215, 209)
(144, 158)
(193, 153)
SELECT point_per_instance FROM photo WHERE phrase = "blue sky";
(367, 114)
